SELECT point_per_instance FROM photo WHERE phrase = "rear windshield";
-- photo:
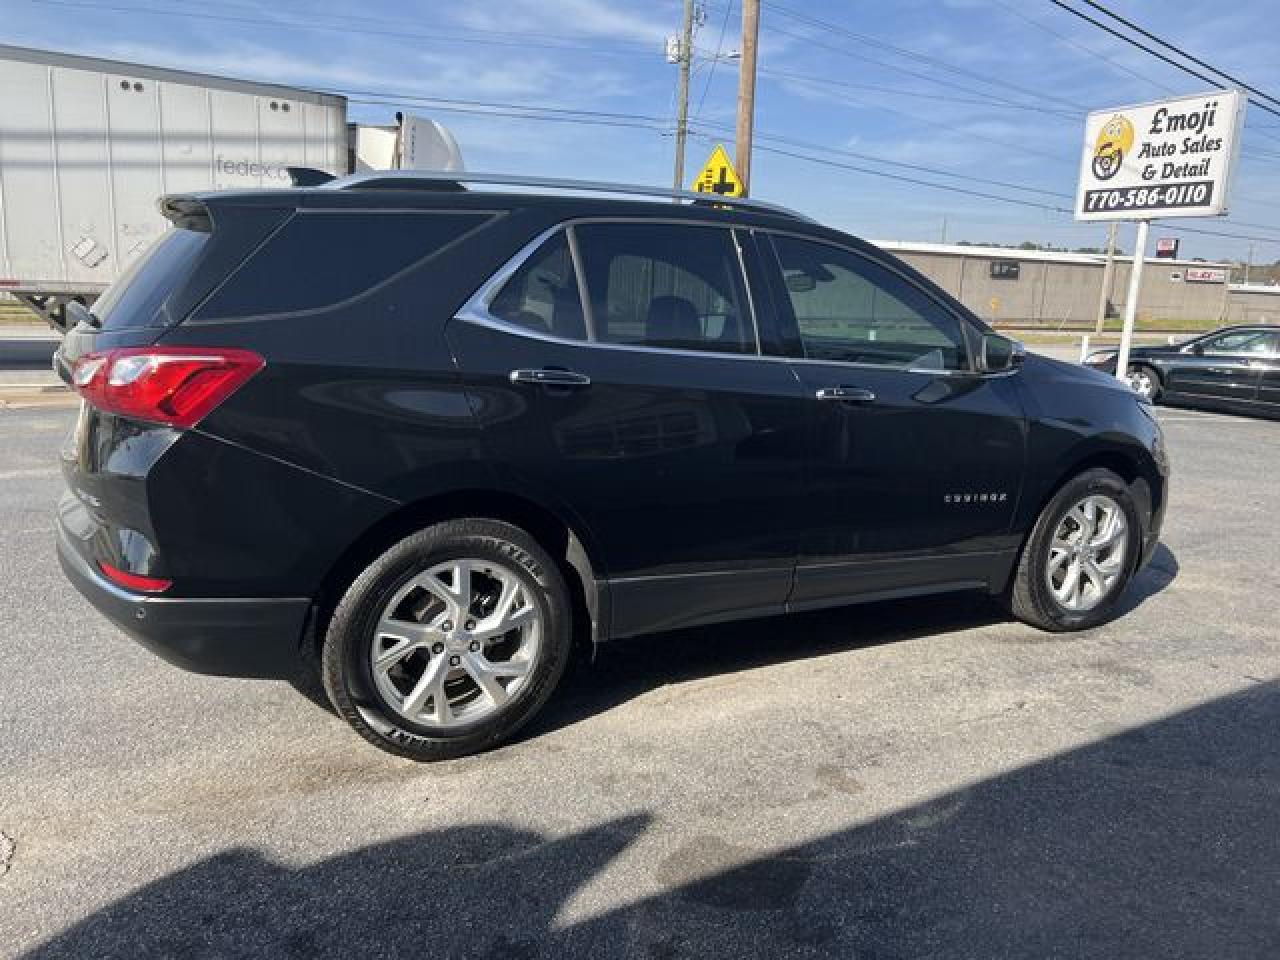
(136, 299)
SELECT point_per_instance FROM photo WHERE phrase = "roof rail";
(420, 180)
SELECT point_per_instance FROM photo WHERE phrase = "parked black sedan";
(1235, 368)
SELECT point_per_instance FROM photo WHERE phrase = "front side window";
(542, 295)
(665, 285)
(851, 309)
(1241, 341)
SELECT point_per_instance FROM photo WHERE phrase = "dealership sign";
(1167, 159)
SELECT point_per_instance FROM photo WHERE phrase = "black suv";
(428, 436)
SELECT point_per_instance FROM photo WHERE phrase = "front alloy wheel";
(1087, 553)
(1080, 554)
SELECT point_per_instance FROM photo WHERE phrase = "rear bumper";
(230, 637)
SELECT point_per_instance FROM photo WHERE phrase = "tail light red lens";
(135, 581)
(178, 386)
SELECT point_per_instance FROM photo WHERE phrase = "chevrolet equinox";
(426, 435)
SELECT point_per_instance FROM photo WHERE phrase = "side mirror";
(1000, 354)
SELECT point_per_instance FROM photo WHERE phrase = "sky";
(988, 95)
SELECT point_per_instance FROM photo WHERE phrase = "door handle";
(847, 394)
(551, 377)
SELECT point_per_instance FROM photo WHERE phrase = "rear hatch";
(136, 309)
(139, 397)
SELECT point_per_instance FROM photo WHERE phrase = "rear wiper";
(78, 313)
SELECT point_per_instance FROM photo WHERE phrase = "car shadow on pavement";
(625, 670)
(1159, 841)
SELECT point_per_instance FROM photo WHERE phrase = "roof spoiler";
(187, 212)
(308, 176)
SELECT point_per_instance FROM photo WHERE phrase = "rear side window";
(665, 285)
(543, 295)
(1241, 341)
(318, 260)
(136, 298)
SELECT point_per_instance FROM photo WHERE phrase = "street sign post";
(1173, 158)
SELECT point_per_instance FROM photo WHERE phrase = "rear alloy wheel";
(1144, 382)
(450, 641)
(1080, 555)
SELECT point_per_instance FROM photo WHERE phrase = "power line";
(347, 29)
(1066, 38)
(1213, 82)
(642, 121)
(656, 125)
(828, 26)
(935, 171)
(822, 161)
(711, 71)
(898, 68)
(897, 91)
(1218, 233)
(1179, 51)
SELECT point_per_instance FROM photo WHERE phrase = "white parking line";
(1207, 418)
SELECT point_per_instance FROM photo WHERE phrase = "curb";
(15, 396)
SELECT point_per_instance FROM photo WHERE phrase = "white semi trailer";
(86, 147)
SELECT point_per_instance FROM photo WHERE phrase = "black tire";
(1157, 387)
(345, 658)
(1030, 599)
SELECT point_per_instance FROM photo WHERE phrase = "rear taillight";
(177, 386)
(135, 581)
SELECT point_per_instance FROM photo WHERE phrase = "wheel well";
(553, 535)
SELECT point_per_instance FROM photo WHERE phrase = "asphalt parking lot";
(912, 779)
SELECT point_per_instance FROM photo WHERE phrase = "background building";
(1046, 288)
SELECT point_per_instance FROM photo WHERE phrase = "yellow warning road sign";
(718, 175)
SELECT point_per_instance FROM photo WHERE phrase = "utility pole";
(1248, 264)
(685, 55)
(944, 228)
(747, 91)
(1108, 272)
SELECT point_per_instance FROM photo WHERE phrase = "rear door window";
(542, 295)
(665, 285)
(321, 259)
(136, 298)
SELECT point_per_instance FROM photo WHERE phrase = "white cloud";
(569, 18)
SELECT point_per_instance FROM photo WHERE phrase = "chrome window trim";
(477, 308)
(746, 285)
